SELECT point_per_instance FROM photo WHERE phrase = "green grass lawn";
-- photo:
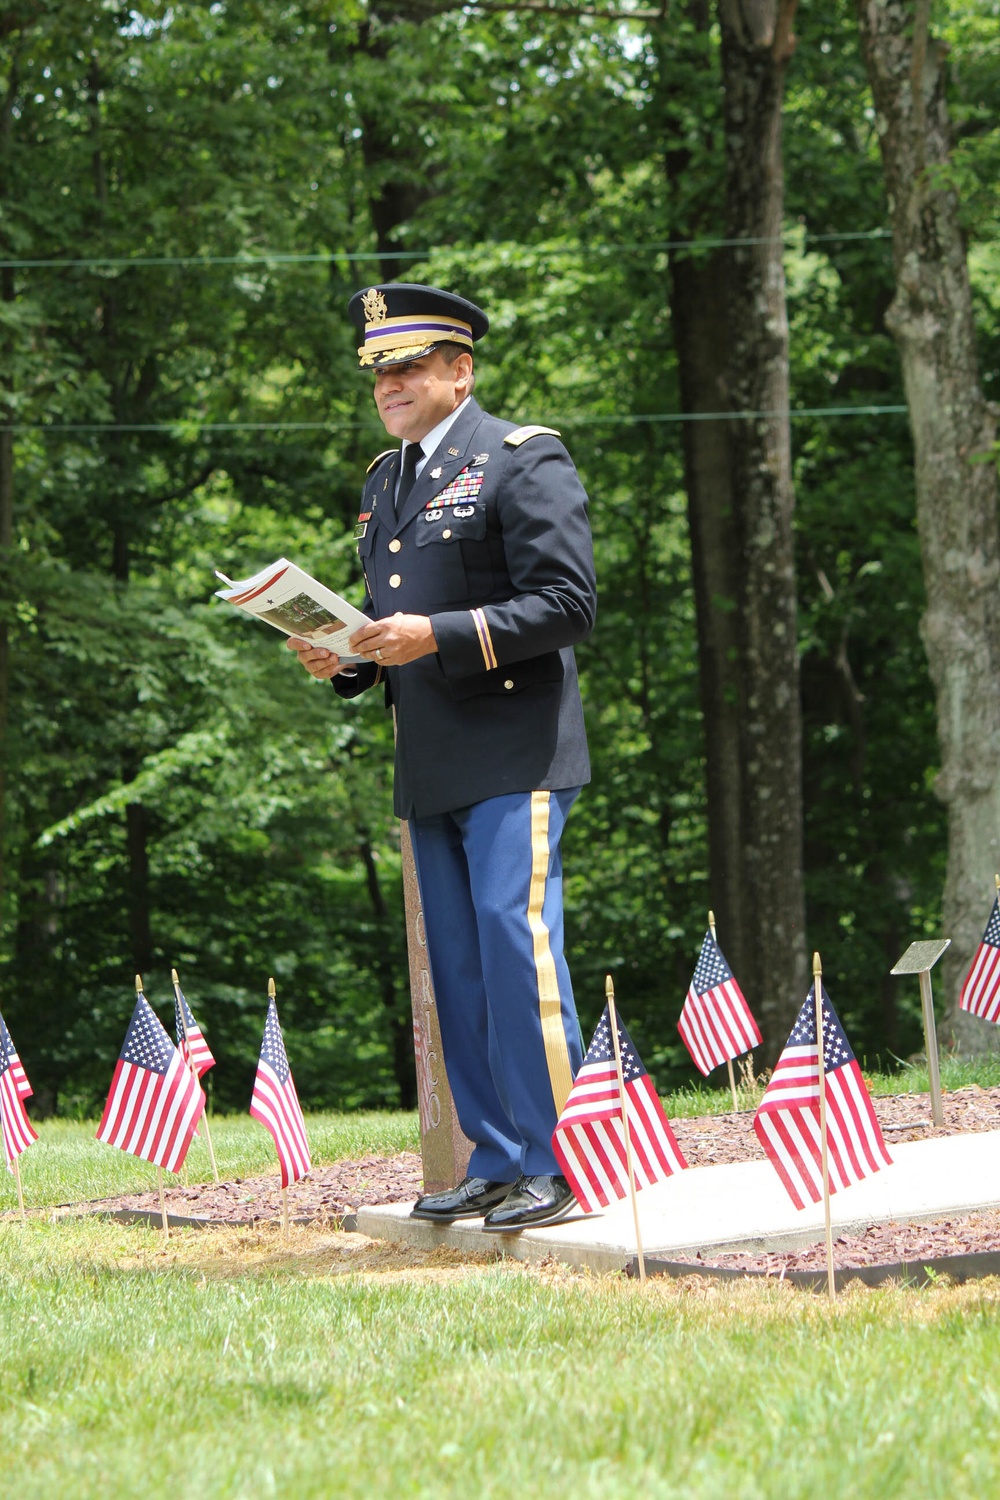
(233, 1363)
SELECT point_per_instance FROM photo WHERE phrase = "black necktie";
(407, 474)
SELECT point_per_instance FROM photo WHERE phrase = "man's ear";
(463, 369)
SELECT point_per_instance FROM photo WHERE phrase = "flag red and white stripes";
(189, 1035)
(981, 990)
(276, 1104)
(589, 1138)
(716, 1024)
(154, 1102)
(787, 1121)
(15, 1127)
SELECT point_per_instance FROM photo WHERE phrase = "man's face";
(413, 398)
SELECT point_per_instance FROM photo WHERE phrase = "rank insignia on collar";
(481, 458)
(436, 473)
(454, 452)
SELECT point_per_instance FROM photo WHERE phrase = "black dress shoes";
(531, 1202)
(469, 1200)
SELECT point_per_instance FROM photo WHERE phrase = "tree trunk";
(7, 294)
(756, 45)
(700, 318)
(956, 484)
(6, 558)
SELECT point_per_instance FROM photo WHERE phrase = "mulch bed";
(334, 1192)
(328, 1193)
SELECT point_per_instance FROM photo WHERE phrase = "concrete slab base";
(736, 1207)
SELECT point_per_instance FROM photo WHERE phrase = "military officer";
(477, 555)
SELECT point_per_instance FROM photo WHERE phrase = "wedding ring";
(378, 654)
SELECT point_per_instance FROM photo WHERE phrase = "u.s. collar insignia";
(375, 306)
(436, 473)
(454, 452)
(481, 458)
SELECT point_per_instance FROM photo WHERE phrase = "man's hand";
(394, 641)
(317, 661)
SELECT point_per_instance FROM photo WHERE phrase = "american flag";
(9, 1059)
(716, 1023)
(154, 1102)
(787, 1120)
(192, 1044)
(276, 1104)
(981, 990)
(14, 1088)
(589, 1138)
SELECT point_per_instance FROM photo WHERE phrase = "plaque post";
(920, 958)
(444, 1149)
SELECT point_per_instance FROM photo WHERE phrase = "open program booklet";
(296, 604)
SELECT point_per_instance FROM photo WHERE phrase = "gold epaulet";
(384, 454)
(522, 434)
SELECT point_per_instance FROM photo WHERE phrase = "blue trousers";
(490, 880)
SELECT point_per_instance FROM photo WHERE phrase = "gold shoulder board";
(522, 434)
(384, 454)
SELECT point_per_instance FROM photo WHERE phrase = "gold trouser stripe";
(549, 1002)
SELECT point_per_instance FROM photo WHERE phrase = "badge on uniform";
(362, 525)
(480, 458)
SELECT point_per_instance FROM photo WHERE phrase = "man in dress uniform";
(478, 561)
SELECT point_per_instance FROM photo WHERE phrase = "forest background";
(189, 194)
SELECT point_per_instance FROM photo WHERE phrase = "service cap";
(403, 320)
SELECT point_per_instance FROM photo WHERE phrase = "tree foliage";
(189, 195)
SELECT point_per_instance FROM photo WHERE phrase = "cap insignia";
(375, 306)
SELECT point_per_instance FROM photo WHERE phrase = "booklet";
(291, 601)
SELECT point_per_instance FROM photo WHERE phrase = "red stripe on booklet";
(269, 584)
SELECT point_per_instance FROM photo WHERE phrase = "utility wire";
(279, 258)
(624, 420)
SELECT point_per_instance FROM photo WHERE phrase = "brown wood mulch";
(333, 1192)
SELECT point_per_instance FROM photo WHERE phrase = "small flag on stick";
(787, 1122)
(190, 1040)
(981, 991)
(17, 1130)
(194, 1050)
(275, 1102)
(154, 1102)
(589, 1138)
(716, 1024)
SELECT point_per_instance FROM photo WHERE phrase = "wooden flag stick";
(194, 1070)
(20, 1191)
(729, 1061)
(609, 991)
(831, 1284)
(163, 1203)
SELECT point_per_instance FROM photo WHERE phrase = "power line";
(186, 424)
(279, 258)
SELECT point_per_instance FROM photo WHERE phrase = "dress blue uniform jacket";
(493, 543)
